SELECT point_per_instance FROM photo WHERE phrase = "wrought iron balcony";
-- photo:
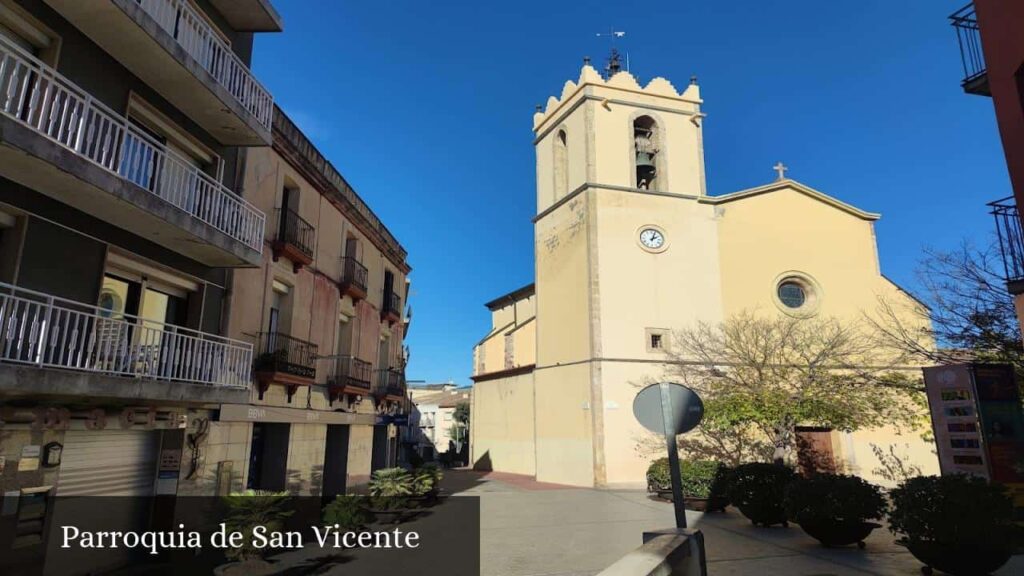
(348, 375)
(1011, 242)
(46, 331)
(968, 35)
(280, 356)
(353, 278)
(391, 309)
(296, 238)
(389, 384)
(43, 100)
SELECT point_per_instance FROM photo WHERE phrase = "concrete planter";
(958, 559)
(835, 533)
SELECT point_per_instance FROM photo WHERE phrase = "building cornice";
(302, 155)
(786, 183)
(517, 371)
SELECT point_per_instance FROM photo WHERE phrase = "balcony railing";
(975, 79)
(392, 305)
(1011, 239)
(389, 382)
(349, 371)
(353, 273)
(295, 231)
(51, 105)
(279, 352)
(47, 331)
(179, 19)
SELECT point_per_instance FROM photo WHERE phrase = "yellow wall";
(503, 425)
(565, 424)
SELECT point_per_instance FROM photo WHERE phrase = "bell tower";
(618, 133)
(625, 250)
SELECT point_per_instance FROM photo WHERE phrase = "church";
(629, 246)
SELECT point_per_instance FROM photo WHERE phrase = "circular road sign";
(685, 408)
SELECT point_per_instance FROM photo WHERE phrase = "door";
(814, 450)
(379, 458)
(268, 456)
(336, 461)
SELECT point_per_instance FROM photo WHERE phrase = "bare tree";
(763, 375)
(968, 311)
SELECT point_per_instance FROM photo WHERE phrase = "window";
(657, 339)
(646, 148)
(19, 27)
(797, 294)
(561, 164)
(279, 319)
(792, 294)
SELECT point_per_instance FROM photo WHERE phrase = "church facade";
(629, 247)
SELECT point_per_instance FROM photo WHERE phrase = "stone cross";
(781, 169)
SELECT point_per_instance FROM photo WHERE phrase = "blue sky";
(426, 109)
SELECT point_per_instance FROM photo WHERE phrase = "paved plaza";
(535, 529)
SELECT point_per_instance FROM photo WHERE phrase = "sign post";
(670, 409)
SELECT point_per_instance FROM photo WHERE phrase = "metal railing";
(292, 229)
(349, 371)
(179, 19)
(48, 331)
(279, 352)
(389, 382)
(50, 104)
(1011, 237)
(392, 304)
(968, 36)
(354, 273)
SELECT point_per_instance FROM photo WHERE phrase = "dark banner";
(240, 535)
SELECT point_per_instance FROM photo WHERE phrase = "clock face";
(652, 238)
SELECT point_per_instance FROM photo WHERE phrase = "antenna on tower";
(614, 65)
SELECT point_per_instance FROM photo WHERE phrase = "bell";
(644, 160)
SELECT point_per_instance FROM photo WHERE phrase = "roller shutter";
(108, 463)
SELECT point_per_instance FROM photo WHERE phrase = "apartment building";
(124, 130)
(324, 314)
(992, 55)
(433, 429)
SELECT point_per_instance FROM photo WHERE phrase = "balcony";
(1011, 242)
(174, 49)
(249, 15)
(295, 239)
(975, 79)
(284, 360)
(391, 310)
(348, 375)
(56, 139)
(389, 384)
(167, 362)
(353, 279)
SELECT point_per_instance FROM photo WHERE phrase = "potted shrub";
(391, 490)
(347, 511)
(835, 509)
(759, 491)
(959, 524)
(659, 480)
(426, 482)
(245, 511)
(704, 484)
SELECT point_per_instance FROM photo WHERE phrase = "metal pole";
(673, 456)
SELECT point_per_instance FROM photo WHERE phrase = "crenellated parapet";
(590, 77)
